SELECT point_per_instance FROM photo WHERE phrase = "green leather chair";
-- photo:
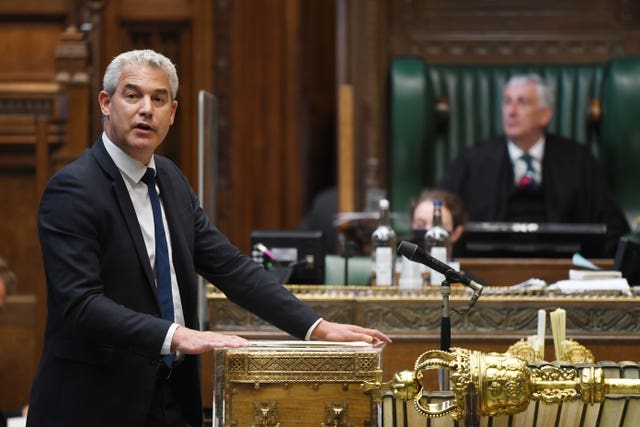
(358, 274)
(620, 130)
(437, 110)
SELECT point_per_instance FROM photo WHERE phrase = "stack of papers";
(300, 343)
(618, 285)
(591, 274)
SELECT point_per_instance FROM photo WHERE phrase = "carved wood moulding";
(22, 107)
(231, 317)
(510, 47)
(570, 15)
(507, 319)
(33, 99)
(501, 315)
(26, 106)
(72, 56)
(222, 87)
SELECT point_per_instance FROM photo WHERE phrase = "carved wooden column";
(72, 57)
(91, 25)
(361, 66)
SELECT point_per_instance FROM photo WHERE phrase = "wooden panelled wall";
(275, 97)
(270, 63)
(448, 31)
(274, 65)
(32, 113)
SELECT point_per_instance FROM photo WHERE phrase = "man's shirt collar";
(537, 151)
(129, 166)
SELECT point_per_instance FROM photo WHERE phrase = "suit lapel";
(126, 208)
(503, 184)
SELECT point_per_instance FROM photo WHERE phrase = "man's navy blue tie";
(163, 270)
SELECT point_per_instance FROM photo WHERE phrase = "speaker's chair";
(437, 110)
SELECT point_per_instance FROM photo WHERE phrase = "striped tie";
(528, 180)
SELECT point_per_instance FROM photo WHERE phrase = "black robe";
(574, 186)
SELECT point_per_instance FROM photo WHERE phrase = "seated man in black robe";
(529, 175)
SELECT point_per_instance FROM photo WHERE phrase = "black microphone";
(417, 254)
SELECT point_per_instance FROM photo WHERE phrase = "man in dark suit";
(530, 175)
(111, 356)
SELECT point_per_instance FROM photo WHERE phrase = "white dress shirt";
(132, 172)
(520, 166)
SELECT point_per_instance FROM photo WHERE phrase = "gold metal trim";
(265, 414)
(246, 366)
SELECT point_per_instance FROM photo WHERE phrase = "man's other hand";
(330, 331)
(190, 341)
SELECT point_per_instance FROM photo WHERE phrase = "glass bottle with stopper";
(437, 242)
(383, 249)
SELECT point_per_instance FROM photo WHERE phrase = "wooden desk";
(607, 325)
(507, 272)
(494, 271)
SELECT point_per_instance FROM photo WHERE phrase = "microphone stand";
(472, 413)
(445, 332)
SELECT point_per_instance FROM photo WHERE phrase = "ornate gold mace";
(502, 384)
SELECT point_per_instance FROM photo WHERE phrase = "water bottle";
(383, 249)
(437, 242)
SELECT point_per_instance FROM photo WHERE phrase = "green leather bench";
(437, 110)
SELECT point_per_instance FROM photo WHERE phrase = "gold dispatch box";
(296, 383)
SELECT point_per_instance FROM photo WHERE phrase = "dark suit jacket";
(104, 331)
(575, 189)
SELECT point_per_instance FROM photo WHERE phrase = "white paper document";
(591, 274)
(592, 285)
(315, 344)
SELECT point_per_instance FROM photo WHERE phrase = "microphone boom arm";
(417, 254)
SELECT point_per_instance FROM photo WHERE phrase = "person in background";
(454, 215)
(321, 216)
(7, 287)
(121, 340)
(421, 218)
(530, 175)
(7, 282)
